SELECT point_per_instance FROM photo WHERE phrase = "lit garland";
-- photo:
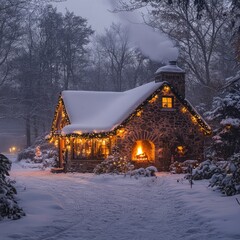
(165, 87)
(60, 103)
(195, 117)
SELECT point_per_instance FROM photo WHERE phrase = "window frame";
(172, 101)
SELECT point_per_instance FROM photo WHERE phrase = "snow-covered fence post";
(190, 169)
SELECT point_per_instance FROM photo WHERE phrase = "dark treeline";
(43, 51)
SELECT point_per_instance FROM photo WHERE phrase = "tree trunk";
(35, 127)
(28, 131)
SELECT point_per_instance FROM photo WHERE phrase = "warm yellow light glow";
(12, 149)
(154, 99)
(120, 132)
(167, 102)
(166, 89)
(139, 150)
(184, 109)
(180, 148)
(139, 113)
(140, 153)
(56, 143)
(194, 120)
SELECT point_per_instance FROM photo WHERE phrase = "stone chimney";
(174, 75)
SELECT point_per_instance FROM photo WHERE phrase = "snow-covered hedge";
(207, 169)
(183, 167)
(41, 154)
(223, 175)
(228, 182)
(8, 204)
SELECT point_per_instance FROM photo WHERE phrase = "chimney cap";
(172, 67)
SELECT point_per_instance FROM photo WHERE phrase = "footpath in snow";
(109, 207)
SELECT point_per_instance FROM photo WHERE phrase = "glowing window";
(167, 102)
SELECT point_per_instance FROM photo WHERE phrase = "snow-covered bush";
(113, 164)
(206, 170)
(8, 204)
(41, 154)
(223, 175)
(228, 181)
(182, 167)
(143, 172)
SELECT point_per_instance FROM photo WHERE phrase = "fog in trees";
(44, 51)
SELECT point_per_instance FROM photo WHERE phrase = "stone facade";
(166, 129)
(157, 133)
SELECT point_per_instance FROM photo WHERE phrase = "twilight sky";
(97, 12)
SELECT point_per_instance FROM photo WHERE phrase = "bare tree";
(200, 30)
(12, 15)
(10, 31)
(114, 48)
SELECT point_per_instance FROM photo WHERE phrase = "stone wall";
(166, 129)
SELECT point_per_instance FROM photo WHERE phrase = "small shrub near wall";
(113, 164)
(183, 167)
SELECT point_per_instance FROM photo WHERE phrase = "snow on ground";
(85, 206)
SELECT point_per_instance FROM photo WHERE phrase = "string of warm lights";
(196, 118)
(165, 88)
(65, 115)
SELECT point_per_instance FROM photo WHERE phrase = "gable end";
(59, 116)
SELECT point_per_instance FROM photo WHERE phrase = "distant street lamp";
(12, 149)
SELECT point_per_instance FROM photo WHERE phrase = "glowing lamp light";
(12, 149)
(228, 126)
(194, 120)
(56, 143)
(166, 89)
(154, 99)
(120, 131)
(139, 113)
(180, 149)
(184, 109)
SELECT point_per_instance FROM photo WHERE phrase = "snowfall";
(108, 207)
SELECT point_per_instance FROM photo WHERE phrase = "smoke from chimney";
(157, 46)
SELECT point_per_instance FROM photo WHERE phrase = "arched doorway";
(143, 150)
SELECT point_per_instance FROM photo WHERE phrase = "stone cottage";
(152, 124)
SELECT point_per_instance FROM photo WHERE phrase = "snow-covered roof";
(172, 67)
(95, 112)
